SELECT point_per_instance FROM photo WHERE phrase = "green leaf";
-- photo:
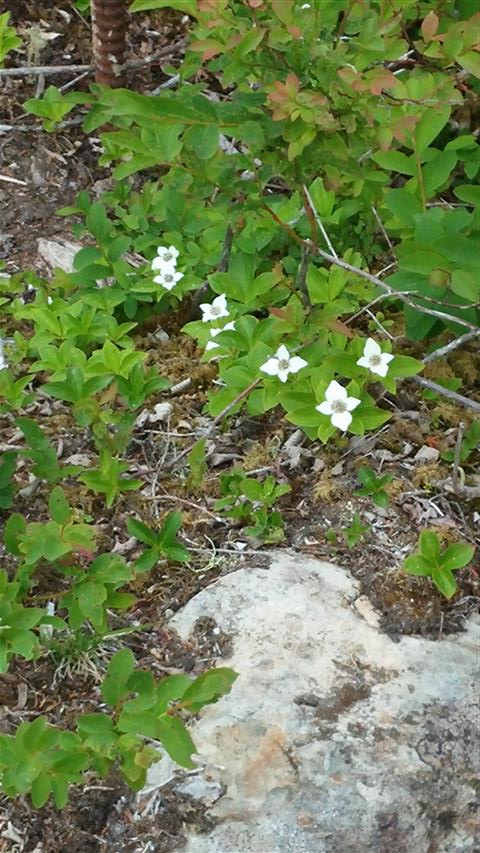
(395, 161)
(417, 565)
(189, 7)
(40, 790)
(171, 525)
(429, 545)
(430, 125)
(141, 531)
(175, 739)
(457, 555)
(14, 529)
(209, 687)
(119, 671)
(444, 581)
(58, 506)
(203, 141)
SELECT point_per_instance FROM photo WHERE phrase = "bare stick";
(373, 279)
(216, 420)
(450, 347)
(47, 70)
(446, 392)
(319, 222)
(382, 229)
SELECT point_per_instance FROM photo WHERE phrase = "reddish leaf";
(429, 26)
(295, 32)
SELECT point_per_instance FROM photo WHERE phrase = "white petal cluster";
(282, 364)
(338, 405)
(214, 332)
(374, 359)
(216, 310)
(165, 265)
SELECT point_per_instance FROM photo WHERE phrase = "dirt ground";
(52, 169)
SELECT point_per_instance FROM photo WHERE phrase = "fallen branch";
(446, 392)
(216, 420)
(132, 65)
(450, 347)
(373, 279)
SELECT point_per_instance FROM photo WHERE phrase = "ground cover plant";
(297, 211)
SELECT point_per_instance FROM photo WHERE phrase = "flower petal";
(352, 403)
(380, 369)
(325, 408)
(211, 345)
(283, 353)
(341, 420)
(364, 362)
(283, 375)
(371, 348)
(206, 310)
(296, 363)
(335, 391)
(270, 367)
(220, 302)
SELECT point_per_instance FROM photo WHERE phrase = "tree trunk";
(109, 27)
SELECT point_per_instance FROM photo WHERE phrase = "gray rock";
(426, 454)
(58, 253)
(334, 738)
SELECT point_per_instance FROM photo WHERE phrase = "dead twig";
(310, 204)
(132, 65)
(238, 399)
(450, 347)
(373, 279)
(446, 392)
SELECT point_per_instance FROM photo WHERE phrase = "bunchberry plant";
(430, 561)
(373, 486)
(355, 531)
(161, 544)
(250, 502)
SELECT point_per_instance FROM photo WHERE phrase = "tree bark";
(109, 27)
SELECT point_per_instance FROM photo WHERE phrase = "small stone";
(161, 412)
(426, 454)
(364, 606)
(81, 459)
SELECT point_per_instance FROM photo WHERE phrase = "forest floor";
(49, 170)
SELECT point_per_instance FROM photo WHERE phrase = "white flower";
(217, 309)
(166, 257)
(338, 405)
(3, 363)
(168, 278)
(281, 364)
(374, 359)
(215, 332)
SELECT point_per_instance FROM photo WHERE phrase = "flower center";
(283, 364)
(375, 360)
(167, 256)
(339, 406)
(168, 277)
(215, 310)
